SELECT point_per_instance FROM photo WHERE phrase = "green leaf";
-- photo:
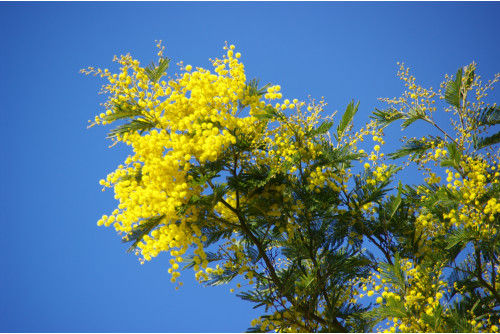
(480, 143)
(252, 179)
(214, 234)
(244, 142)
(332, 156)
(322, 129)
(190, 259)
(136, 125)
(372, 193)
(255, 296)
(394, 273)
(219, 190)
(386, 117)
(226, 277)
(460, 236)
(346, 120)
(137, 175)
(268, 114)
(489, 116)
(396, 202)
(454, 157)
(469, 77)
(130, 110)
(393, 308)
(124, 110)
(416, 148)
(141, 230)
(202, 179)
(253, 88)
(458, 318)
(154, 72)
(412, 116)
(452, 93)
(435, 320)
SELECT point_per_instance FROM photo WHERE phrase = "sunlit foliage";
(276, 198)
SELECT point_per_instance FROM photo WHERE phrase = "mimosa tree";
(277, 199)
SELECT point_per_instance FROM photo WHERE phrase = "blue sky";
(62, 273)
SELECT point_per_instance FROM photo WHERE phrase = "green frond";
(458, 319)
(215, 234)
(334, 156)
(354, 314)
(413, 115)
(435, 320)
(253, 88)
(190, 259)
(269, 113)
(441, 198)
(394, 273)
(455, 89)
(461, 237)
(137, 176)
(322, 129)
(480, 143)
(394, 308)
(218, 193)
(155, 72)
(251, 180)
(415, 148)
(368, 193)
(395, 202)
(454, 157)
(224, 278)
(245, 143)
(124, 110)
(200, 179)
(136, 125)
(452, 93)
(131, 111)
(346, 120)
(386, 117)
(254, 296)
(141, 230)
(489, 116)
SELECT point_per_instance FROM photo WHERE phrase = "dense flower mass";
(191, 120)
(241, 184)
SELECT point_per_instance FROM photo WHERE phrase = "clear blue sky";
(62, 273)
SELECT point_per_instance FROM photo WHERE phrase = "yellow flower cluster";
(478, 176)
(420, 296)
(288, 139)
(193, 120)
(416, 100)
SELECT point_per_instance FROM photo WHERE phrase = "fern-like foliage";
(480, 143)
(141, 230)
(346, 120)
(386, 117)
(415, 148)
(452, 93)
(156, 71)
